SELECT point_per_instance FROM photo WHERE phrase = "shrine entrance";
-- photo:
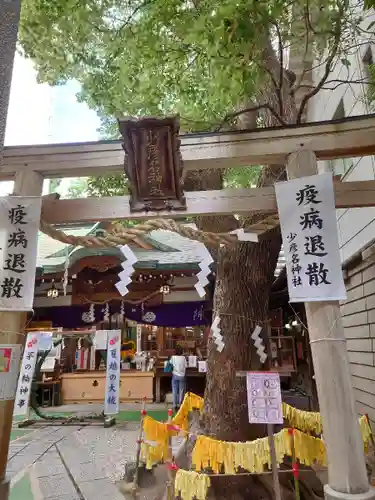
(155, 170)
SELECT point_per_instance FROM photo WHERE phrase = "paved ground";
(51, 462)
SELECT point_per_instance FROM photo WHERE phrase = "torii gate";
(299, 148)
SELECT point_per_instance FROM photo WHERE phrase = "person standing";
(178, 361)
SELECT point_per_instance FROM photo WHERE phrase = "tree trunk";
(245, 273)
(244, 277)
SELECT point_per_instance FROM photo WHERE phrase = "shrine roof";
(169, 251)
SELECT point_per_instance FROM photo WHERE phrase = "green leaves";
(201, 59)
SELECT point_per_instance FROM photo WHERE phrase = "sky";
(40, 114)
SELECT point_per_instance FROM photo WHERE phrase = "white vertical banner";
(19, 226)
(139, 339)
(10, 355)
(92, 358)
(25, 379)
(100, 340)
(112, 387)
(309, 229)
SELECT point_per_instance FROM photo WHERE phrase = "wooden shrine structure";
(299, 148)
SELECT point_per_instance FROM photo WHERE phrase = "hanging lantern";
(53, 292)
(165, 289)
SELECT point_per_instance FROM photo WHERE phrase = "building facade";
(356, 226)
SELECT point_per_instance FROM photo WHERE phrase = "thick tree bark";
(245, 273)
(243, 283)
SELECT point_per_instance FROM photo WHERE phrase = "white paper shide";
(309, 230)
(112, 390)
(25, 379)
(19, 225)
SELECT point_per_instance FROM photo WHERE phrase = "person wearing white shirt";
(179, 364)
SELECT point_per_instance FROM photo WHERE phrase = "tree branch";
(328, 67)
(339, 83)
(297, 85)
(279, 88)
(235, 114)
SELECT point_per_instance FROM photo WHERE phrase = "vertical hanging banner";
(19, 226)
(309, 229)
(139, 338)
(112, 388)
(10, 355)
(25, 379)
(264, 398)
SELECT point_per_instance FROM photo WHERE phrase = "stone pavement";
(70, 462)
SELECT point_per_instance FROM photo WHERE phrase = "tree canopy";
(205, 60)
(202, 59)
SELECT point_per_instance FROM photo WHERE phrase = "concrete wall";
(356, 226)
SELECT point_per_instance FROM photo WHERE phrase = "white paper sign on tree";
(308, 224)
(19, 226)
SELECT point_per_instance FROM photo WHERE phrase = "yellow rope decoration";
(252, 456)
(190, 485)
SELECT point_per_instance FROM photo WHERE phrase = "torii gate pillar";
(9, 20)
(347, 476)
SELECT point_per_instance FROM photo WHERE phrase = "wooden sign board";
(153, 163)
(188, 344)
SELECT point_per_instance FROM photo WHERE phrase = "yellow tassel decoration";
(254, 456)
(251, 456)
(190, 485)
(306, 421)
(191, 402)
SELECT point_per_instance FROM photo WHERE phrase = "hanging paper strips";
(158, 432)
(205, 270)
(216, 334)
(189, 485)
(254, 456)
(306, 421)
(128, 270)
(258, 342)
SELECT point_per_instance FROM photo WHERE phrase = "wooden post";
(274, 464)
(135, 485)
(170, 482)
(13, 323)
(9, 19)
(346, 463)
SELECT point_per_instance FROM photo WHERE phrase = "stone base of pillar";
(331, 494)
(4, 489)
